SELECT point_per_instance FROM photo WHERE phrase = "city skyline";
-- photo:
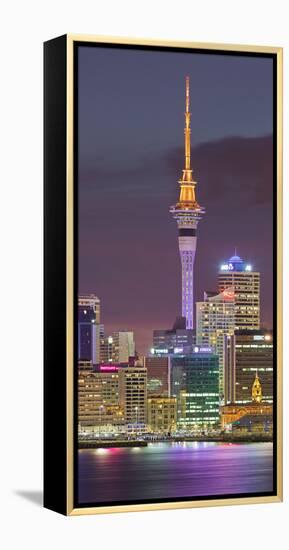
(142, 274)
(172, 353)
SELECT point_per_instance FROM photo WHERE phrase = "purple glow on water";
(174, 470)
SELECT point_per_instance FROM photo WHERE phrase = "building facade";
(253, 352)
(162, 414)
(253, 417)
(195, 384)
(98, 401)
(133, 397)
(215, 319)
(178, 339)
(187, 212)
(88, 328)
(236, 274)
(123, 346)
(229, 369)
(157, 375)
(106, 346)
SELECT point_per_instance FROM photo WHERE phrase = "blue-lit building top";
(240, 276)
(235, 263)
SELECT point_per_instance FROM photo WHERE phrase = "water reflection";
(171, 470)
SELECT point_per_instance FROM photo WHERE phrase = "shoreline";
(95, 444)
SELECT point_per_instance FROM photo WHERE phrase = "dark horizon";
(131, 155)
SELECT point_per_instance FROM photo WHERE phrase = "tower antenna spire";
(188, 213)
(188, 126)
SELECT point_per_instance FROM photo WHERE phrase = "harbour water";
(173, 470)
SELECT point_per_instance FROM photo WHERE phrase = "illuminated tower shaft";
(188, 213)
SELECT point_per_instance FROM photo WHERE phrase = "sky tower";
(188, 213)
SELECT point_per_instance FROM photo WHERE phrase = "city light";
(108, 368)
(227, 267)
(182, 386)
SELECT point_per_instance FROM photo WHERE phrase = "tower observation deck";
(188, 213)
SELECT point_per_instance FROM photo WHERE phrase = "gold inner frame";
(71, 39)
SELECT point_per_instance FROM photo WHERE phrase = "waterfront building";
(178, 339)
(133, 397)
(195, 384)
(253, 417)
(246, 284)
(98, 401)
(187, 212)
(162, 414)
(157, 375)
(88, 328)
(215, 319)
(253, 353)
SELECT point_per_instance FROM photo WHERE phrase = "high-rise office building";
(133, 397)
(88, 328)
(246, 284)
(162, 414)
(195, 384)
(188, 213)
(215, 318)
(249, 352)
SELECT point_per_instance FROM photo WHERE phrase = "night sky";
(131, 155)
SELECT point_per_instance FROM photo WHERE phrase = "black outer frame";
(55, 274)
(55, 169)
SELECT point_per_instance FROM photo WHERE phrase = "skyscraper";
(188, 213)
(246, 283)
(215, 319)
(195, 384)
(88, 328)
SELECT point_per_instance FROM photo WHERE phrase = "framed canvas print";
(163, 313)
